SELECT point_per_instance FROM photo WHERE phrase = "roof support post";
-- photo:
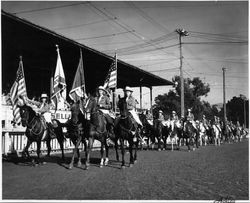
(151, 99)
(140, 97)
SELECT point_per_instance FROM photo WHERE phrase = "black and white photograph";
(125, 101)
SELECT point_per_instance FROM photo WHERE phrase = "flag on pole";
(111, 79)
(59, 83)
(78, 88)
(18, 89)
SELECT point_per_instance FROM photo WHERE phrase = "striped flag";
(18, 89)
(78, 88)
(59, 83)
(111, 79)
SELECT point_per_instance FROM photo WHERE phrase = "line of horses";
(83, 130)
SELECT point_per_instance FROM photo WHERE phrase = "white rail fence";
(14, 139)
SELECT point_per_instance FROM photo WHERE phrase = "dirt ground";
(209, 173)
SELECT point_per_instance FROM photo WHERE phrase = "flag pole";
(116, 83)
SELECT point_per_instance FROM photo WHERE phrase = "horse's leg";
(135, 154)
(38, 151)
(116, 149)
(90, 145)
(48, 146)
(188, 143)
(102, 152)
(60, 141)
(79, 163)
(76, 143)
(26, 149)
(131, 162)
(123, 152)
(107, 153)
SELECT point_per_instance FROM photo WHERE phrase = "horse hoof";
(135, 161)
(70, 167)
(79, 165)
(86, 168)
(123, 167)
(101, 166)
(159, 149)
(44, 162)
(131, 165)
(193, 149)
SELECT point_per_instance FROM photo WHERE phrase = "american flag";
(111, 79)
(18, 89)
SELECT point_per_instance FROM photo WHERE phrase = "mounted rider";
(217, 123)
(173, 120)
(105, 106)
(149, 117)
(131, 104)
(190, 118)
(205, 122)
(43, 108)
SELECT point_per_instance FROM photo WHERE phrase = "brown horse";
(37, 131)
(96, 130)
(76, 127)
(125, 129)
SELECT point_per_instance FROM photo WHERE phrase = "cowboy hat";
(173, 112)
(127, 88)
(160, 111)
(44, 96)
(102, 88)
(189, 109)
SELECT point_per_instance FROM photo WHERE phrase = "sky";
(143, 33)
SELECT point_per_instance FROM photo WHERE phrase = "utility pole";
(224, 96)
(181, 33)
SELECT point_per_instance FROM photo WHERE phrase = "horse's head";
(26, 113)
(122, 105)
(91, 105)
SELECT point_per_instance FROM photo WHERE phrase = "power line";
(218, 43)
(110, 35)
(82, 25)
(48, 8)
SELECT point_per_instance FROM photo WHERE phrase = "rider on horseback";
(44, 111)
(174, 119)
(131, 104)
(149, 117)
(205, 122)
(104, 104)
(190, 119)
(217, 123)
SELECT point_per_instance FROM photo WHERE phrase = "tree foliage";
(194, 89)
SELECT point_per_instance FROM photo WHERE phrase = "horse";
(157, 133)
(217, 134)
(146, 131)
(96, 130)
(37, 131)
(125, 129)
(176, 134)
(75, 132)
(202, 134)
(190, 135)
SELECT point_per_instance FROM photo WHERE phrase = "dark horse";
(76, 127)
(96, 129)
(125, 129)
(147, 129)
(37, 131)
(190, 135)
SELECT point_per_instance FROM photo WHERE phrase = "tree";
(193, 90)
(235, 110)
